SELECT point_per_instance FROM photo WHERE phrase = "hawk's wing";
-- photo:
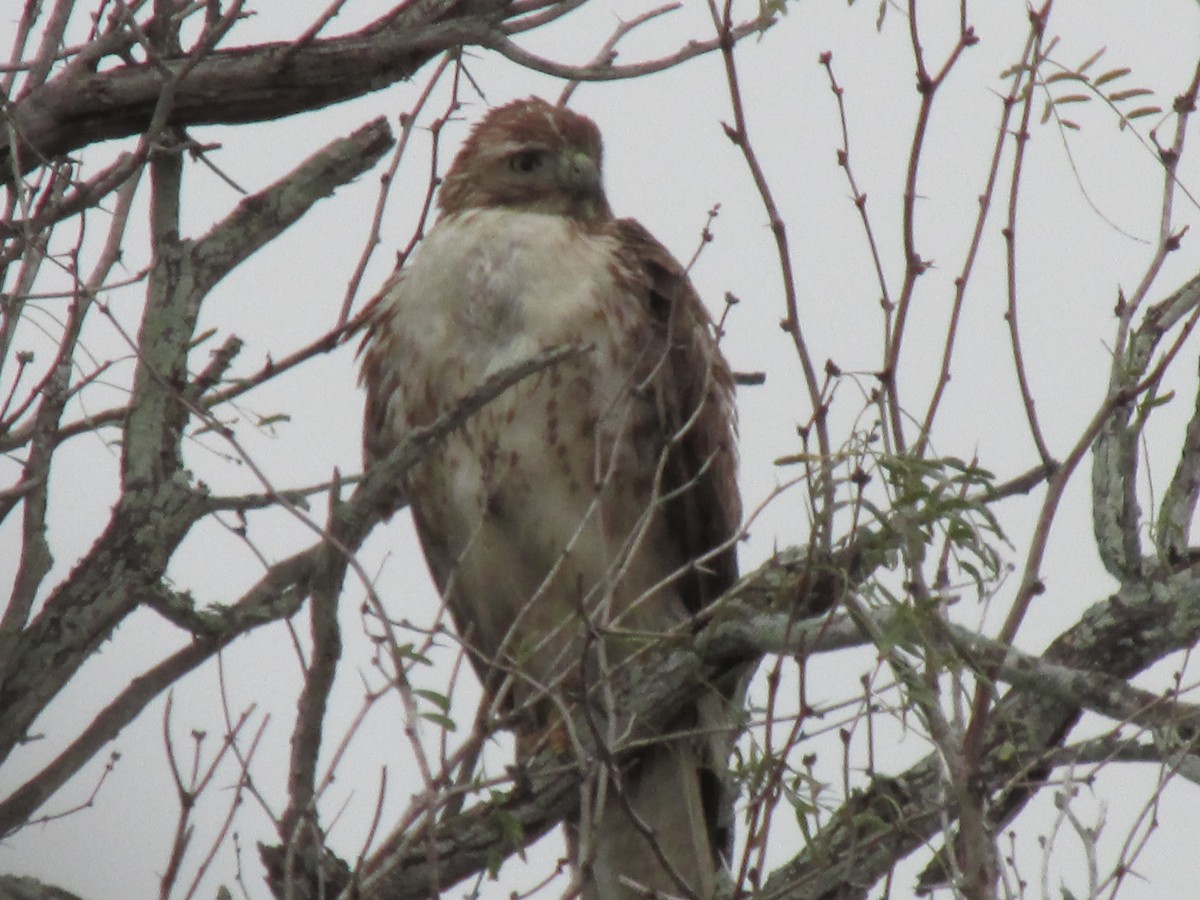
(587, 509)
(693, 390)
(380, 376)
(694, 393)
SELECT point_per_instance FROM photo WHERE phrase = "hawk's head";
(532, 156)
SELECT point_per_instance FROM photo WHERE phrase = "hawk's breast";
(540, 506)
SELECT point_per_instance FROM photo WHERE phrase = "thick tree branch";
(245, 84)
(158, 507)
(259, 219)
(1119, 636)
(105, 586)
(271, 81)
(895, 815)
(15, 888)
(1178, 507)
(1115, 511)
(889, 819)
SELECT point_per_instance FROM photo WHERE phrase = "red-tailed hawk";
(591, 510)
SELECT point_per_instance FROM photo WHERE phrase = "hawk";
(590, 511)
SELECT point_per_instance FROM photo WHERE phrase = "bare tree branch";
(270, 81)
(154, 518)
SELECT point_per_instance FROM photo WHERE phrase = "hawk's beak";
(579, 174)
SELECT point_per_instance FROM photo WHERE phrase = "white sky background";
(667, 163)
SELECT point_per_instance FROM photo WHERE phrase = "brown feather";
(697, 427)
(593, 505)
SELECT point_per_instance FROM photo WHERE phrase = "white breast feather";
(520, 491)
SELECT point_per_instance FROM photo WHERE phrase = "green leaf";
(960, 532)
(1118, 96)
(1110, 75)
(970, 570)
(1159, 400)
(1091, 60)
(440, 700)
(201, 338)
(510, 827)
(438, 719)
(1143, 111)
(409, 651)
(494, 861)
(1063, 76)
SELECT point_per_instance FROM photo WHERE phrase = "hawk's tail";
(669, 818)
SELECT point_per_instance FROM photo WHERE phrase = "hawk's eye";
(527, 161)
